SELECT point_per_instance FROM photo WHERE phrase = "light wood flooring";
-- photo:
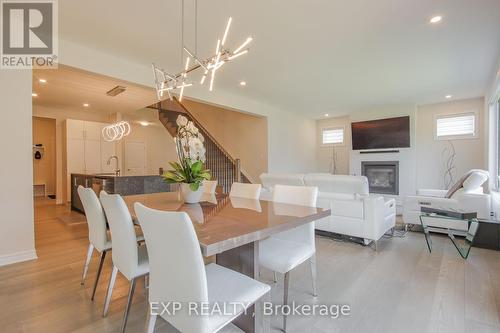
(400, 288)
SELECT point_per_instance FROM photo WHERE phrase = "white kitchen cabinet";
(92, 156)
(93, 130)
(75, 129)
(86, 151)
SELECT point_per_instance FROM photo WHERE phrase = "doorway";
(44, 158)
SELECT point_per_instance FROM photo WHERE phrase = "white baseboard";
(18, 257)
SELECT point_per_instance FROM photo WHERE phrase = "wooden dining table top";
(223, 223)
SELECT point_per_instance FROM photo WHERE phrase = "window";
(458, 126)
(333, 136)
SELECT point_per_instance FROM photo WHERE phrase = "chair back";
(125, 252)
(302, 196)
(177, 271)
(96, 219)
(243, 190)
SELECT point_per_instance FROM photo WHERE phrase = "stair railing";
(223, 166)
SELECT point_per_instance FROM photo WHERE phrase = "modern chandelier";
(166, 83)
(116, 131)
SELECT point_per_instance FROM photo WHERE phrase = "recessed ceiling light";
(42, 80)
(436, 19)
(243, 83)
(326, 114)
(34, 94)
(86, 105)
(144, 123)
(448, 96)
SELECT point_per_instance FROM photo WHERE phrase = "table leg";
(245, 259)
(427, 234)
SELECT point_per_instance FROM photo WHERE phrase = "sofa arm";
(480, 203)
(415, 202)
(432, 193)
(376, 210)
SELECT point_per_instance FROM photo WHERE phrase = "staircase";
(224, 168)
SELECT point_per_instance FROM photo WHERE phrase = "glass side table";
(462, 240)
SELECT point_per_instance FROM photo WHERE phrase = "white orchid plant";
(191, 153)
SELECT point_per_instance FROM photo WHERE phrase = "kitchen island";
(111, 183)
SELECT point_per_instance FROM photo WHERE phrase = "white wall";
(469, 152)
(349, 161)
(16, 169)
(160, 147)
(421, 165)
(341, 151)
(405, 156)
(292, 137)
(490, 109)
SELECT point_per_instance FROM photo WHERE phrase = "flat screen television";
(381, 133)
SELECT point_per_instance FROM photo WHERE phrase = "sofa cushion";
(270, 180)
(338, 183)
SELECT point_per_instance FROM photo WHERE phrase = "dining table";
(230, 229)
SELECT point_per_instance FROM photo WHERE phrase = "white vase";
(190, 196)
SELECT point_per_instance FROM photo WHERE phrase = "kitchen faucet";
(117, 170)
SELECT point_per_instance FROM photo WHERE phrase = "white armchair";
(354, 211)
(466, 195)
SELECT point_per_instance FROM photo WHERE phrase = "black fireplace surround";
(383, 177)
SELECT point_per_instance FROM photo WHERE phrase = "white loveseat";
(354, 211)
(466, 195)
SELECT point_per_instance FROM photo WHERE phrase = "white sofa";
(354, 211)
(466, 195)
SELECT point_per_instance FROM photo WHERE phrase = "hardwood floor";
(400, 288)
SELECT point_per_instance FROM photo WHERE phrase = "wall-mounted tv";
(381, 133)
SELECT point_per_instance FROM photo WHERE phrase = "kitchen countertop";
(111, 175)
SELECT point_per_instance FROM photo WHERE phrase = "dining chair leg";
(90, 250)
(150, 321)
(103, 256)
(129, 302)
(112, 280)
(275, 278)
(285, 297)
(312, 261)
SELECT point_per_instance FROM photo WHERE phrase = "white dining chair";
(178, 274)
(286, 250)
(244, 190)
(128, 257)
(98, 235)
(209, 186)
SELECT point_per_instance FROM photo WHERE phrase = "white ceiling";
(70, 88)
(316, 57)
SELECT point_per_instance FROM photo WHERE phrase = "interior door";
(135, 158)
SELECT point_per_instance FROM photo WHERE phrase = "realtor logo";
(29, 34)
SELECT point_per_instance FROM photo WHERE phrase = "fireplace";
(383, 177)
